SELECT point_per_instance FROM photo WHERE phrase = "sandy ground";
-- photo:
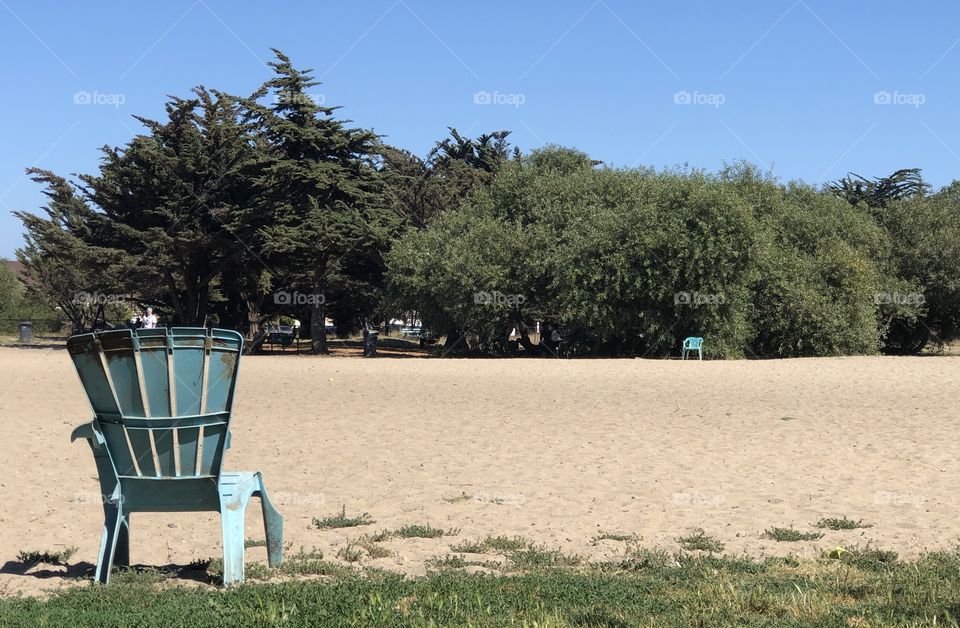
(555, 450)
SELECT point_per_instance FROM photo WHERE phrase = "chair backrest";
(693, 343)
(161, 398)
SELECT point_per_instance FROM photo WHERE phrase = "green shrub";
(631, 261)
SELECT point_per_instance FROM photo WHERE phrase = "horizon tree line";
(214, 213)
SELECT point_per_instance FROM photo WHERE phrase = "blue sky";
(809, 88)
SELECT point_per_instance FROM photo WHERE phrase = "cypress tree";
(319, 188)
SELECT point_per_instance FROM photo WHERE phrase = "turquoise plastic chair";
(690, 345)
(162, 403)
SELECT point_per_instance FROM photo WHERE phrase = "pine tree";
(169, 198)
(67, 269)
(320, 189)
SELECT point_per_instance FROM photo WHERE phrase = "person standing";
(150, 320)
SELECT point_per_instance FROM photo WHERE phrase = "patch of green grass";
(462, 497)
(506, 543)
(314, 568)
(341, 520)
(788, 561)
(790, 535)
(469, 547)
(412, 531)
(420, 532)
(500, 544)
(379, 537)
(599, 616)
(699, 540)
(299, 563)
(843, 523)
(350, 553)
(254, 543)
(302, 554)
(128, 577)
(51, 558)
(214, 566)
(868, 587)
(307, 567)
(369, 544)
(257, 571)
(534, 557)
(454, 561)
(521, 553)
(377, 551)
(641, 559)
(450, 561)
(614, 536)
(866, 558)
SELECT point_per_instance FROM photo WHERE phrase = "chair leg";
(236, 489)
(121, 557)
(273, 525)
(113, 527)
(231, 520)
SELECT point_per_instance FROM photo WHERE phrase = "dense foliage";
(237, 210)
(632, 261)
(18, 304)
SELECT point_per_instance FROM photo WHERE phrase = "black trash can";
(370, 338)
(26, 331)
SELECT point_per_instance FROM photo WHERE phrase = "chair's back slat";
(134, 379)
(87, 357)
(189, 439)
(163, 440)
(156, 373)
(188, 369)
(142, 447)
(120, 452)
(214, 437)
(221, 370)
(118, 350)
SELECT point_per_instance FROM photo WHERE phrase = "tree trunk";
(203, 305)
(253, 320)
(318, 321)
(191, 299)
(174, 297)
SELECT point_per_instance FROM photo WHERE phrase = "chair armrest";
(82, 431)
(88, 432)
